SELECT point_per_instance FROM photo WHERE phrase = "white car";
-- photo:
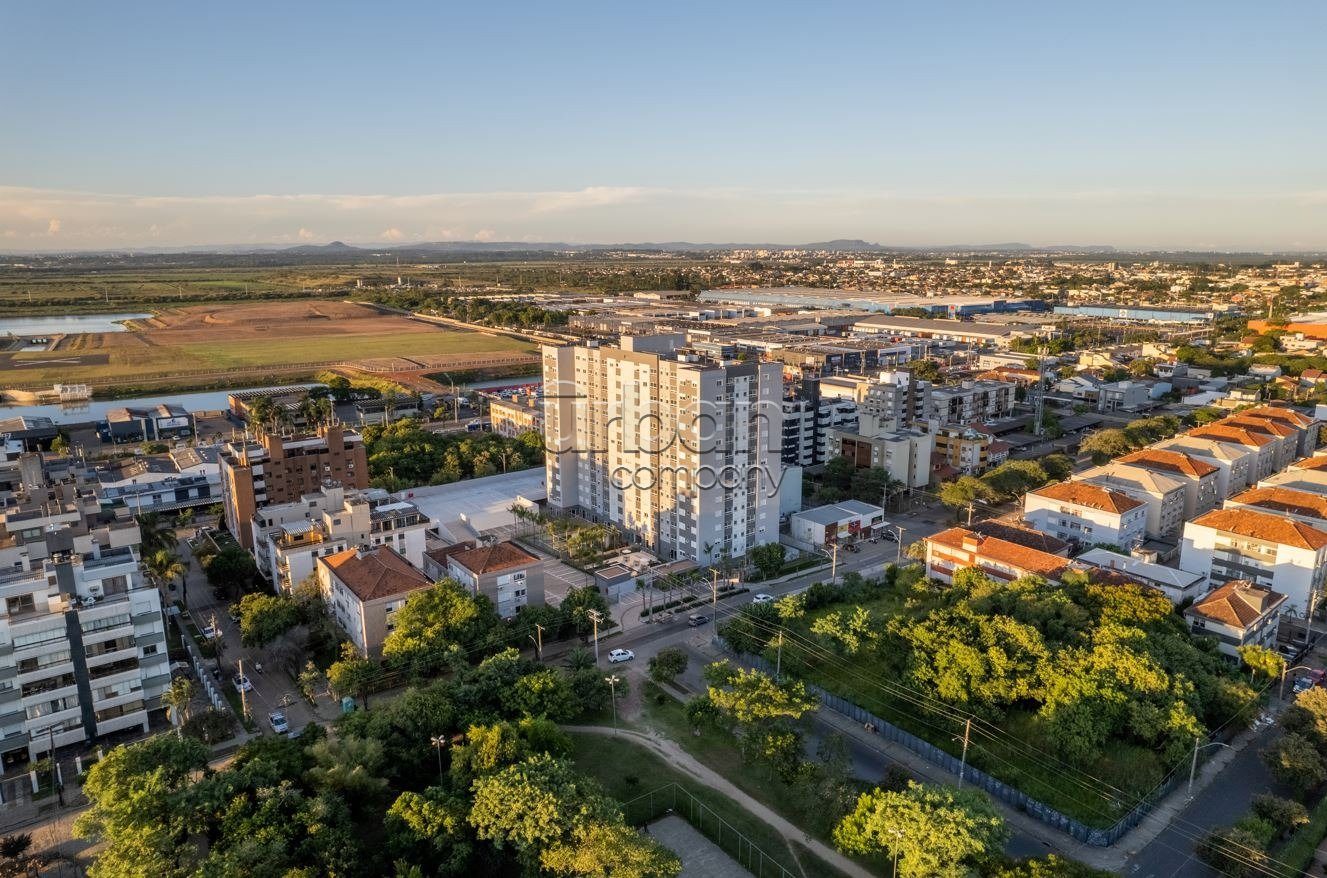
(241, 683)
(211, 632)
(620, 655)
(277, 720)
(763, 598)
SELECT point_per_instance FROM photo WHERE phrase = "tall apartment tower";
(680, 450)
(82, 638)
(281, 469)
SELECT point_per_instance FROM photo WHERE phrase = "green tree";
(437, 620)
(1105, 445)
(136, 797)
(1294, 761)
(432, 827)
(231, 571)
(265, 617)
(1261, 660)
(931, 831)
(165, 566)
(1235, 852)
(966, 492)
(353, 675)
(1308, 716)
(751, 696)
(178, 698)
(768, 559)
(668, 664)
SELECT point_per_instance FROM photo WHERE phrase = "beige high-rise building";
(680, 450)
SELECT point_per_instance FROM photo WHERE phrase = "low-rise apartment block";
(1237, 614)
(1086, 514)
(1202, 487)
(1161, 493)
(364, 588)
(1304, 506)
(1269, 550)
(512, 417)
(504, 573)
(290, 537)
(957, 548)
(1177, 585)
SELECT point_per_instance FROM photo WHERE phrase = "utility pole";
(714, 599)
(778, 659)
(55, 769)
(970, 505)
(244, 698)
(596, 617)
(612, 680)
(963, 764)
(898, 557)
(833, 563)
(539, 642)
(1193, 766)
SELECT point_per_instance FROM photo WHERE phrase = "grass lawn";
(629, 773)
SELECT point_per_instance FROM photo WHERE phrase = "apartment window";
(21, 604)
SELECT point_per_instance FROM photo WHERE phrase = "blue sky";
(1138, 124)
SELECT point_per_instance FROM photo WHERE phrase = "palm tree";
(178, 699)
(165, 565)
(260, 412)
(156, 533)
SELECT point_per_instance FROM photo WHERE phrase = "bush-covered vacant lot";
(1084, 695)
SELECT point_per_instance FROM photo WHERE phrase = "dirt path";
(675, 756)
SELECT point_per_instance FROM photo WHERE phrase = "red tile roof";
(1091, 496)
(1279, 413)
(1001, 551)
(1314, 463)
(1287, 500)
(375, 573)
(1264, 526)
(1257, 424)
(494, 558)
(1169, 461)
(1238, 604)
(1226, 433)
(1024, 536)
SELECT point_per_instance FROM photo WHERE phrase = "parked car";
(277, 720)
(234, 613)
(241, 683)
(763, 598)
(889, 535)
(665, 616)
(1303, 684)
(696, 619)
(620, 655)
(211, 632)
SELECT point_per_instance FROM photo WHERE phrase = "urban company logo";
(705, 444)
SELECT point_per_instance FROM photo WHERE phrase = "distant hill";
(323, 249)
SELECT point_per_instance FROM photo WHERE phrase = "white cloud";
(615, 214)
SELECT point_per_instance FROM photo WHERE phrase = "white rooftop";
(482, 504)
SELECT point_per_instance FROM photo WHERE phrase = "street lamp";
(898, 558)
(612, 680)
(438, 742)
(1193, 768)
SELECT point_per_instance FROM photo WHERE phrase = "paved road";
(273, 688)
(1171, 853)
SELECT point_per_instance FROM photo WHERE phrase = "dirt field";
(268, 336)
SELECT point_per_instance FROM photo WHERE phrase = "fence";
(674, 799)
(998, 789)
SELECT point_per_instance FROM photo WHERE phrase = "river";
(65, 324)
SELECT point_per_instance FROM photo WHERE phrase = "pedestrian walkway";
(672, 753)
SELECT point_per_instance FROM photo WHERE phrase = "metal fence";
(998, 789)
(675, 799)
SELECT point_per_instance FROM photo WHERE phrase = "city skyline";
(1178, 128)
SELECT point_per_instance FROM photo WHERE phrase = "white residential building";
(1178, 585)
(1235, 464)
(973, 402)
(1202, 487)
(290, 537)
(680, 451)
(1268, 550)
(82, 638)
(1305, 506)
(1237, 614)
(1086, 514)
(835, 522)
(1162, 493)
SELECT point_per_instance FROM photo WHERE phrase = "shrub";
(1283, 814)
